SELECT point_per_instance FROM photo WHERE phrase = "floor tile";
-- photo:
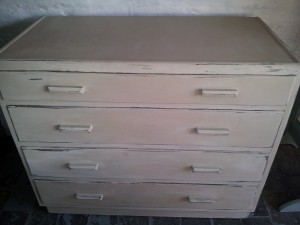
(102, 220)
(227, 222)
(261, 209)
(256, 221)
(285, 218)
(13, 218)
(165, 221)
(195, 221)
(42, 218)
(72, 219)
(133, 220)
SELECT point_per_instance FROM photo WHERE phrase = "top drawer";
(151, 89)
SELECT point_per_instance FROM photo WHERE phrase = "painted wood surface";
(146, 195)
(133, 211)
(147, 89)
(155, 165)
(188, 68)
(146, 126)
(148, 117)
(76, 146)
(179, 39)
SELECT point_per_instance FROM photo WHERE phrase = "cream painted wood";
(151, 212)
(75, 128)
(160, 38)
(146, 195)
(145, 105)
(65, 89)
(277, 142)
(148, 88)
(208, 68)
(203, 68)
(146, 126)
(158, 165)
(89, 196)
(77, 146)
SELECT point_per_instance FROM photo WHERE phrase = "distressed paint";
(283, 17)
(242, 212)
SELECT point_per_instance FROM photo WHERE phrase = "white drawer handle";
(219, 92)
(196, 199)
(75, 128)
(83, 166)
(67, 89)
(89, 196)
(213, 131)
(206, 169)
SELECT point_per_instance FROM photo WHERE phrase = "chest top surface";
(136, 38)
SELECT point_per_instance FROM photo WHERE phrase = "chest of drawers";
(161, 116)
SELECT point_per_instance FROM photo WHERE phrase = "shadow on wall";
(9, 32)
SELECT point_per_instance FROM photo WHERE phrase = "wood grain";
(173, 196)
(161, 166)
(160, 38)
(162, 116)
(146, 126)
(147, 88)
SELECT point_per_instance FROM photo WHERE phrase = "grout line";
(180, 221)
(268, 209)
(28, 219)
(57, 219)
(150, 220)
(260, 217)
(118, 220)
(88, 220)
(211, 221)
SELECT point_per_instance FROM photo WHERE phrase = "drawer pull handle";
(89, 196)
(195, 199)
(206, 169)
(219, 92)
(213, 132)
(75, 128)
(83, 166)
(66, 89)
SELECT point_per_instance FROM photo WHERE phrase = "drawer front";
(142, 195)
(182, 166)
(152, 89)
(146, 126)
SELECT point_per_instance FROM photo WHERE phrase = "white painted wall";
(283, 16)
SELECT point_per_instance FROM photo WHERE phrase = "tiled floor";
(18, 205)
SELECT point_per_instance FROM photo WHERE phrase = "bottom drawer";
(145, 195)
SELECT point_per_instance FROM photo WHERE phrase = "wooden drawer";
(152, 89)
(146, 126)
(184, 196)
(182, 166)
